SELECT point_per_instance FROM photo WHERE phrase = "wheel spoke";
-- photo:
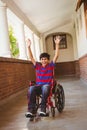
(59, 98)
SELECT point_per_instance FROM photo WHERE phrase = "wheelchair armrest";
(31, 83)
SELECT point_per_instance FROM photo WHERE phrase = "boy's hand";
(57, 39)
(28, 42)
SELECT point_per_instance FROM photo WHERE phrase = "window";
(63, 42)
(85, 10)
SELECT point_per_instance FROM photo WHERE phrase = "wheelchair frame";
(56, 99)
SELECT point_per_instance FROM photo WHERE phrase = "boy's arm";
(30, 52)
(57, 41)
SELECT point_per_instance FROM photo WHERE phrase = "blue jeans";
(33, 91)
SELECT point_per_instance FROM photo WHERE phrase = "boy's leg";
(45, 94)
(32, 92)
(31, 101)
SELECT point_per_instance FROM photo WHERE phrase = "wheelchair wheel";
(59, 98)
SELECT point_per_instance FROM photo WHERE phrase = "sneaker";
(41, 113)
(29, 114)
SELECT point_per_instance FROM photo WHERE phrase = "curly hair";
(45, 55)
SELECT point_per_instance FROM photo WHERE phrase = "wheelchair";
(56, 99)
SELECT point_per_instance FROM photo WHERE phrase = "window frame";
(63, 42)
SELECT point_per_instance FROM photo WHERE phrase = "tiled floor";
(74, 116)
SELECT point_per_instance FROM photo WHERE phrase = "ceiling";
(46, 15)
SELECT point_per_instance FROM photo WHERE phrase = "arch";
(57, 33)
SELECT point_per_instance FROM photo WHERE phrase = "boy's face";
(44, 61)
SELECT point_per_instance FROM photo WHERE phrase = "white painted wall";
(71, 53)
(65, 55)
(77, 30)
(81, 32)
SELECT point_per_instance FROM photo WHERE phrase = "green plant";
(13, 43)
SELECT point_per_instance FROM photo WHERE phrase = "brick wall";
(14, 76)
(67, 69)
(83, 67)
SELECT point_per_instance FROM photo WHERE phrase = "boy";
(44, 77)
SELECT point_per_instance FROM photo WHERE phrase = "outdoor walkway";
(74, 116)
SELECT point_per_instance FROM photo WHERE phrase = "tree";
(13, 43)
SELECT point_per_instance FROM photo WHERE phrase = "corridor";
(74, 116)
